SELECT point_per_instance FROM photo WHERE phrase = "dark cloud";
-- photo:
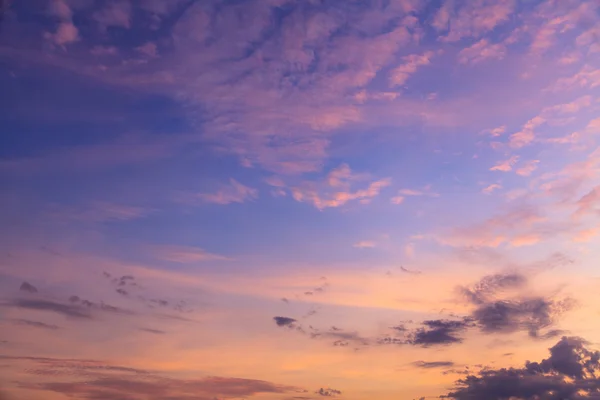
(571, 372)
(408, 271)
(439, 332)
(154, 331)
(35, 324)
(284, 321)
(68, 310)
(340, 335)
(27, 287)
(433, 364)
(494, 314)
(505, 316)
(285, 300)
(490, 284)
(122, 292)
(328, 392)
(103, 381)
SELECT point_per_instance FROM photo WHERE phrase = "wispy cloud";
(186, 254)
(234, 192)
(364, 244)
(339, 188)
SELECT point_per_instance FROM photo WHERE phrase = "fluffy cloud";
(569, 373)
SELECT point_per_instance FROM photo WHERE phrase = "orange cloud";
(585, 235)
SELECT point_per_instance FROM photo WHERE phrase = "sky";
(299, 199)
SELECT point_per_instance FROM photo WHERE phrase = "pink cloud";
(528, 168)
(567, 183)
(516, 226)
(66, 32)
(481, 51)
(148, 49)
(586, 235)
(495, 132)
(234, 192)
(559, 19)
(506, 165)
(337, 189)
(397, 200)
(587, 77)
(365, 244)
(491, 188)
(589, 203)
(549, 115)
(116, 13)
(411, 63)
(471, 19)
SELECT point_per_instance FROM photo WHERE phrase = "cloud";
(186, 254)
(586, 77)
(365, 244)
(558, 19)
(66, 32)
(531, 315)
(519, 221)
(27, 287)
(99, 211)
(433, 364)
(408, 271)
(91, 379)
(234, 192)
(481, 51)
(569, 373)
(589, 203)
(439, 332)
(411, 63)
(148, 49)
(338, 188)
(116, 13)
(35, 324)
(528, 168)
(457, 20)
(67, 310)
(490, 285)
(490, 188)
(153, 331)
(284, 321)
(328, 392)
(494, 314)
(506, 165)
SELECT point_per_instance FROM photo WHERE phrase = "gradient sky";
(299, 199)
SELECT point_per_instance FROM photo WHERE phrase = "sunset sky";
(299, 199)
